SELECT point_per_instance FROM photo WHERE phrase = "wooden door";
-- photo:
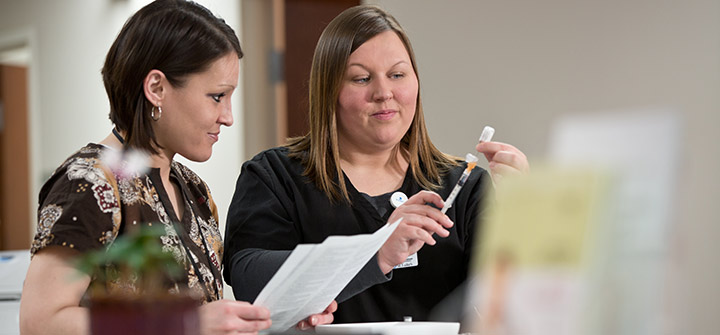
(304, 22)
(14, 159)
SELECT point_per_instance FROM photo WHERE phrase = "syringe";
(471, 161)
(485, 136)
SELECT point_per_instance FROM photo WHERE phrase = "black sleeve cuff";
(368, 276)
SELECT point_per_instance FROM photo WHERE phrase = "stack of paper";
(315, 274)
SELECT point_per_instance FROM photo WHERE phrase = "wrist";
(385, 267)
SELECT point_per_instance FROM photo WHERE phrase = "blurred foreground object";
(584, 246)
(137, 257)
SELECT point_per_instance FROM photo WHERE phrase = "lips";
(384, 114)
(214, 136)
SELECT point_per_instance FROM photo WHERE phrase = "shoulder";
(90, 153)
(86, 163)
(78, 205)
(273, 154)
(276, 169)
(275, 161)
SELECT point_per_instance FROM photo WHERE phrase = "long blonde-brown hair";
(318, 150)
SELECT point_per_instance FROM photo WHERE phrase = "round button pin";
(397, 199)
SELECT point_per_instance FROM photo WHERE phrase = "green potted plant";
(146, 307)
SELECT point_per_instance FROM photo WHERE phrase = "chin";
(389, 139)
(199, 156)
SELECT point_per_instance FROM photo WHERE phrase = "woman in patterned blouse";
(169, 76)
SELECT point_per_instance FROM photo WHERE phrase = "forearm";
(252, 269)
(50, 302)
(69, 320)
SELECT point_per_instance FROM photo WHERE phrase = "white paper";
(314, 274)
(391, 328)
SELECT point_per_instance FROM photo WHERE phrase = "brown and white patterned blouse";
(85, 206)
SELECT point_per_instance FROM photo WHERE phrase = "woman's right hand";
(233, 317)
(419, 223)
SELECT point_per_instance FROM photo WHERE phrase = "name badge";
(411, 261)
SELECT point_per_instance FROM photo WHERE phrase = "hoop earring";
(153, 116)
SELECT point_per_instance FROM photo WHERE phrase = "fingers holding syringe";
(416, 211)
(431, 225)
(425, 197)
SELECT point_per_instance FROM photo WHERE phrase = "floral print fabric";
(85, 206)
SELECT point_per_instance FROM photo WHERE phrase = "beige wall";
(517, 65)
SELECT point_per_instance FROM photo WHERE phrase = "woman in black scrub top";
(367, 140)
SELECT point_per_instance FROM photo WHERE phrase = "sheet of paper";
(314, 274)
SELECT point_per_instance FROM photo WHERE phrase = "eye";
(361, 80)
(217, 97)
(397, 75)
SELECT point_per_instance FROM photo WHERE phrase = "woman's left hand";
(319, 319)
(504, 159)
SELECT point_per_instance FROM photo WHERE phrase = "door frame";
(26, 37)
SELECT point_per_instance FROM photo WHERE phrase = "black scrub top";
(275, 208)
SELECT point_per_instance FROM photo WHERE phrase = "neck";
(378, 160)
(112, 141)
(376, 172)
(161, 160)
(358, 156)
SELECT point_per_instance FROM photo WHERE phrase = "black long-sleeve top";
(276, 208)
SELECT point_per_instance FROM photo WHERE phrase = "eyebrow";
(363, 66)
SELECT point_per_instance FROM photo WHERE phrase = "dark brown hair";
(318, 149)
(177, 37)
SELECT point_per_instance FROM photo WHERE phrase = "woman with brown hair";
(367, 141)
(169, 76)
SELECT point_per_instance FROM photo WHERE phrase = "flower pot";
(156, 315)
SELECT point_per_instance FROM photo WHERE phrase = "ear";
(154, 87)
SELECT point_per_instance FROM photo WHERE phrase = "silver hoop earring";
(157, 116)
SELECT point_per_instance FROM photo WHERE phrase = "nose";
(382, 91)
(226, 117)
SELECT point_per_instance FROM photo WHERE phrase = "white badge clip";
(397, 199)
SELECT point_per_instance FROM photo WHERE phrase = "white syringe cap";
(487, 134)
(470, 158)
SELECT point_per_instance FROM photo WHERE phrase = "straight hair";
(318, 149)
